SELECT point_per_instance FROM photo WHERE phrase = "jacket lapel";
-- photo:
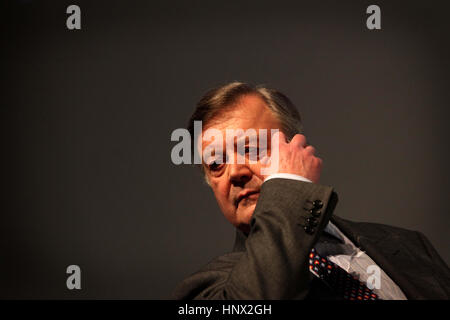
(394, 254)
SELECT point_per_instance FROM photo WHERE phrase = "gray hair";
(220, 98)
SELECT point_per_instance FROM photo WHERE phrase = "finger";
(310, 150)
(298, 141)
(319, 163)
(279, 138)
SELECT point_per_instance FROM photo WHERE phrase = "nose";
(239, 174)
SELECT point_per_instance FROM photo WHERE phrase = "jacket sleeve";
(274, 264)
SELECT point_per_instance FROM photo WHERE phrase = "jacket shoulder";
(208, 279)
(373, 230)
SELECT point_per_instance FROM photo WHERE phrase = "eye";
(252, 152)
(216, 163)
(214, 166)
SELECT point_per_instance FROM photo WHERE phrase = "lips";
(246, 194)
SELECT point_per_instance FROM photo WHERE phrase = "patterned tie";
(344, 284)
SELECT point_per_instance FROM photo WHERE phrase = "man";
(289, 245)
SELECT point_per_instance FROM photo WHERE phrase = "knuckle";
(309, 151)
(299, 139)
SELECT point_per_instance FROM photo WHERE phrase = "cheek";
(221, 192)
(256, 170)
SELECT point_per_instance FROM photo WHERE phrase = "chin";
(244, 216)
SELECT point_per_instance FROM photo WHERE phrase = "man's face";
(236, 186)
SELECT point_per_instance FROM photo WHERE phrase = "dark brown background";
(87, 116)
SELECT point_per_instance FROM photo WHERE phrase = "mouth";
(246, 195)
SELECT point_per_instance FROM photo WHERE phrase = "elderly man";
(289, 245)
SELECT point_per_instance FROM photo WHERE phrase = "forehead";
(249, 112)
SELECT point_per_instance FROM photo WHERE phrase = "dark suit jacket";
(272, 261)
